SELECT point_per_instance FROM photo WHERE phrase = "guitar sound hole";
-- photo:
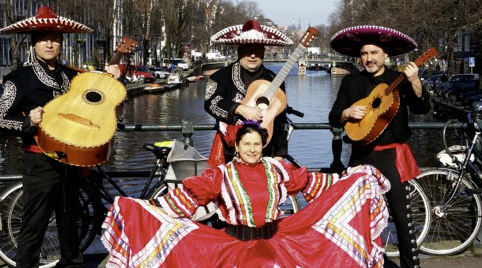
(376, 103)
(262, 103)
(93, 97)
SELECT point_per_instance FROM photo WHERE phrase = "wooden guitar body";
(77, 127)
(381, 108)
(382, 105)
(270, 108)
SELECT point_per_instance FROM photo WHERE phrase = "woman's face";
(250, 147)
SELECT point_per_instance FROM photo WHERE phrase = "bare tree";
(13, 15)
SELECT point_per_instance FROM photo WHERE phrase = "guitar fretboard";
(280, 77)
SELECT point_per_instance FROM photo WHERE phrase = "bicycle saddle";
(160, 152)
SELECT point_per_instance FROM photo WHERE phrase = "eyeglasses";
(54, 42)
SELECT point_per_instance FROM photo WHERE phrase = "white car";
(215, 56)
(181, 64)
(159, 72)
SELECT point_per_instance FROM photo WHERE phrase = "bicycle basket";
(186, 161)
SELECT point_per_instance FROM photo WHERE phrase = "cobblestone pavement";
(459, 261)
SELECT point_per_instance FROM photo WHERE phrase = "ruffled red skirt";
(341, 228)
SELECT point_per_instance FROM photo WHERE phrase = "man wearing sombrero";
(227, 87)
(48, 185)
(373, 44)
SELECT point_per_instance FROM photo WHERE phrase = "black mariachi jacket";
(24, 90)
(224, 91)
(358, 86)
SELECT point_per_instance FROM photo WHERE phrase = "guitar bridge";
(78, 119)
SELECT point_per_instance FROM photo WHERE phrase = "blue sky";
(282, 12)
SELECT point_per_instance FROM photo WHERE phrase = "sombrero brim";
(59, 24)
(234, 35)
(349, 41)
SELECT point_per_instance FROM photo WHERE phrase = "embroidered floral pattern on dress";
(6, 101)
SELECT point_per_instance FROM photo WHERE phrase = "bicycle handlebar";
(290, 110)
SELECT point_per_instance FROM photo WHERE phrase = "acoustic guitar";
(382, 106)
(267, 96)
(78, 127)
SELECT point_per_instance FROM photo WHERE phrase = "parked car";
(215, 56)
(457, 79)
(175, 63)
(137, 71)
(457, 90)
(159, 72)
(432, 82)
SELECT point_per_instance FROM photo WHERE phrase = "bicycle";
(454, 190)
(95, 199)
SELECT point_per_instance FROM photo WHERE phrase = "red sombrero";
(46, 20)
(349, 41)
(251, 32)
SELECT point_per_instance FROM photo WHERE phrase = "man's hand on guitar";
(355, 112)
(112, 69)
(35, 116)
(249, 113)
(411, 72)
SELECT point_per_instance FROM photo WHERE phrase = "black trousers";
(46, 189)
(398, 202)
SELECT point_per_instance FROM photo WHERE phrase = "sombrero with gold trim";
(349, 41)
(251, 32)
(46, 20)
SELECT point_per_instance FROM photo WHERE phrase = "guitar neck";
(280, 77)
(432, 52)
(116, 58)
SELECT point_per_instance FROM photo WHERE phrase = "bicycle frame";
(466, 164)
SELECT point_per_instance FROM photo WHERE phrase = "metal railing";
(187, 129)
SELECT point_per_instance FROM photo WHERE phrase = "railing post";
(187, 131)
(336, 147)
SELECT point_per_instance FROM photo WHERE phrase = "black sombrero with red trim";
(251, 32)
(46, 20)
(349, 41)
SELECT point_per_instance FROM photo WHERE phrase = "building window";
(466, 43)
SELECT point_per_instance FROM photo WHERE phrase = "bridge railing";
(187, 128)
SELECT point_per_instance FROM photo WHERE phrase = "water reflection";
(312, 94)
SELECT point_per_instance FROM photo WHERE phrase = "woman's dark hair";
(250, 127)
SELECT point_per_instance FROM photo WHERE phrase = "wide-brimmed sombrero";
(349, 41)
(46, 20)
(251, 32)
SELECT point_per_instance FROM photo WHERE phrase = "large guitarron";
(382, 106)
(78, 127)
(267, 96)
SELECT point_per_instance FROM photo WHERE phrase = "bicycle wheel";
(453, 229)
(290, 206)
(12, 211)
(420, 206)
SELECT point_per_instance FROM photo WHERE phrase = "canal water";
(312, 94)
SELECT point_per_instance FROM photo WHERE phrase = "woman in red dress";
(340, 227)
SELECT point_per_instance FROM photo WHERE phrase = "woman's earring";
(236, 154)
